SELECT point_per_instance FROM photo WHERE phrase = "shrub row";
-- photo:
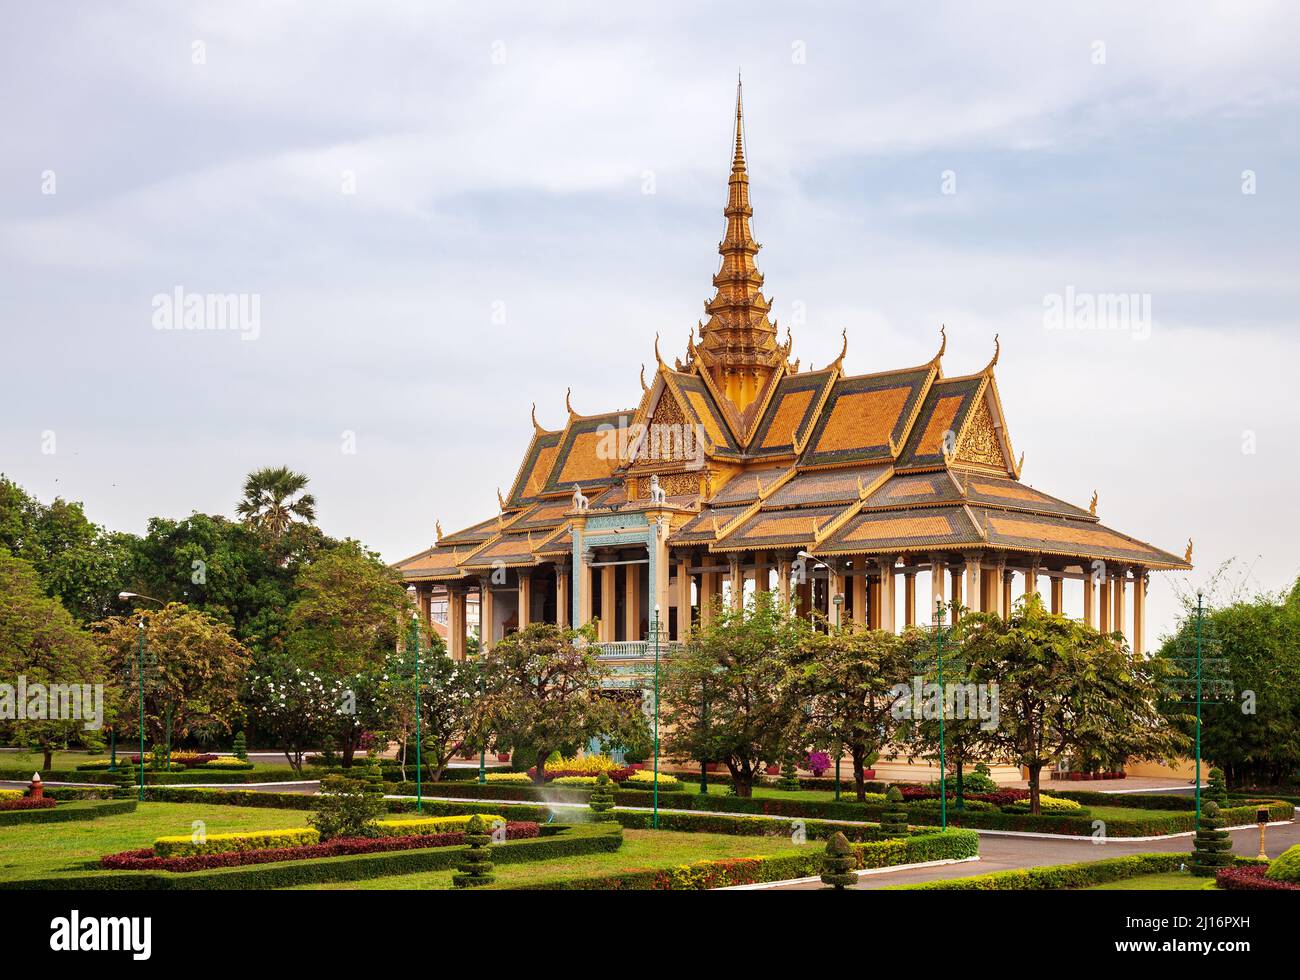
(432, 825)
(148, 860)
(199, 775)
(253, 840)
(942, 845)
(559, 842)
(744, 826)
(302, 801)
(1059, 876)
(27, 803)
(66, 812)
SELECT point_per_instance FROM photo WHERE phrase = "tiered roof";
(880, 463)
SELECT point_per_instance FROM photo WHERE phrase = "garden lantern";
(1261, 818)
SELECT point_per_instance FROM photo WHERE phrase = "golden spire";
(738, 344)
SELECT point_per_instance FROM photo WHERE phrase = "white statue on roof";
(657, 494)
(580, 500)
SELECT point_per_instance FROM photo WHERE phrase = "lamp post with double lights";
(140, 662)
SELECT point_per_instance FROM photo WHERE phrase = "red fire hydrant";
(37, 787)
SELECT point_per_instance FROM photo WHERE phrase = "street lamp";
(943, 770)
(140, 656)
(419, 705)
(654, 627)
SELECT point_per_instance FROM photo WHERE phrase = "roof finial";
(1092, 507)
(943, 346)
(644, 388)
(536, 428)
(1187, 555)
(568, 402)
(738, 162)
(437, 525)
(658, 356)
(839, 361)
(997, 352)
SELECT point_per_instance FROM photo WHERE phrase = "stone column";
(956, 577)
(562, 597)
(873, 602)
(760, 572)
(683, 598)
(974, 592)
(525, 598)
(861, 612)
(1139, 611)
(1089, 591)
(783, 571)
(1058, 592)
(632, 602)
(887, 602)
(736, 576)
(456, 622)
(424, 596)
(608, 602)
(708, 593)
(909, 598)
(486, 616)
(1119, 618)
(1031, 580)
(1004, 601)
(1103, 603)
(937, 569)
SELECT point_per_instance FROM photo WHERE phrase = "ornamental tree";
(194, 668)
(293, 705)
(727, 694)
(543, 688)
(845, 681)
(1064, 688)
(447, 702)
(40, 642)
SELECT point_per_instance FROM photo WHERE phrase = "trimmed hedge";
(408, 826)
(744, 826)
(162, 778)
(253, 840)
(303, 801)
(66, 812)
(558, 841)
(1251, 878)
(938, 846)
(1061, 876)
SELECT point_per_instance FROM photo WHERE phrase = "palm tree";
(269, 502)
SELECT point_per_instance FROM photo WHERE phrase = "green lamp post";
(140, 662)
(414, 642)
(654, 823)
(943, 770)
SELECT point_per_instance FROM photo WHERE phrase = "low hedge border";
(304, 801)
(152, 778)
(1158, 823)
(66, 812)
(1056, 877)
(702, 875)
(745, 826)
(561, 841)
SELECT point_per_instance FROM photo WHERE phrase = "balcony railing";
(636, 649)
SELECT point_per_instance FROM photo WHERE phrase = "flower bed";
(149, 860)
(10, 794)
(645, 779)
(27, 803)
(1252, 878)
(64, 812)
(433, 825)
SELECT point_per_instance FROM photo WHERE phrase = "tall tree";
(1255, 737)
(274, 499)
(40, 643)
(1065, 688)
(345, 624)
(194, 668)
(727, 694)
(846, 681)
(447, 702)
(543, 687)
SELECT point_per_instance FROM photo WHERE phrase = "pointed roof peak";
(738, 161)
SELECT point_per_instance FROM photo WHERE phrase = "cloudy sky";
(449, 211)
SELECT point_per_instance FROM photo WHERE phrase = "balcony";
(636, 649)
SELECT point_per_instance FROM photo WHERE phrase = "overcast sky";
(449, 212)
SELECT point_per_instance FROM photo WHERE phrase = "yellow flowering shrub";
(257, 840)
(433, 825)
(11, 794)
(584, 765)
(646, 778)
(510, 778)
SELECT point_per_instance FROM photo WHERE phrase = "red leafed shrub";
(27, 803)
(146, 860)
(1250, 877)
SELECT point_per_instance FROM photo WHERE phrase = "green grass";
(641, 849)
(35, 761)
(1170, 881)
(44, 850)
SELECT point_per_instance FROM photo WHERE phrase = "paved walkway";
(1009, 853)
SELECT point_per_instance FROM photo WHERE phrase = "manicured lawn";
(1171, 881)
(40, 850)
(641, 849)
(35, 762)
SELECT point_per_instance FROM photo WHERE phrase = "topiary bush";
(475, 870)
(789, 774)
(837, 865)
(1286, 867)
(346, 808)
(893, 822)
(240, 748)
(1218, 788)
(1213, 845)
(602, 799)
